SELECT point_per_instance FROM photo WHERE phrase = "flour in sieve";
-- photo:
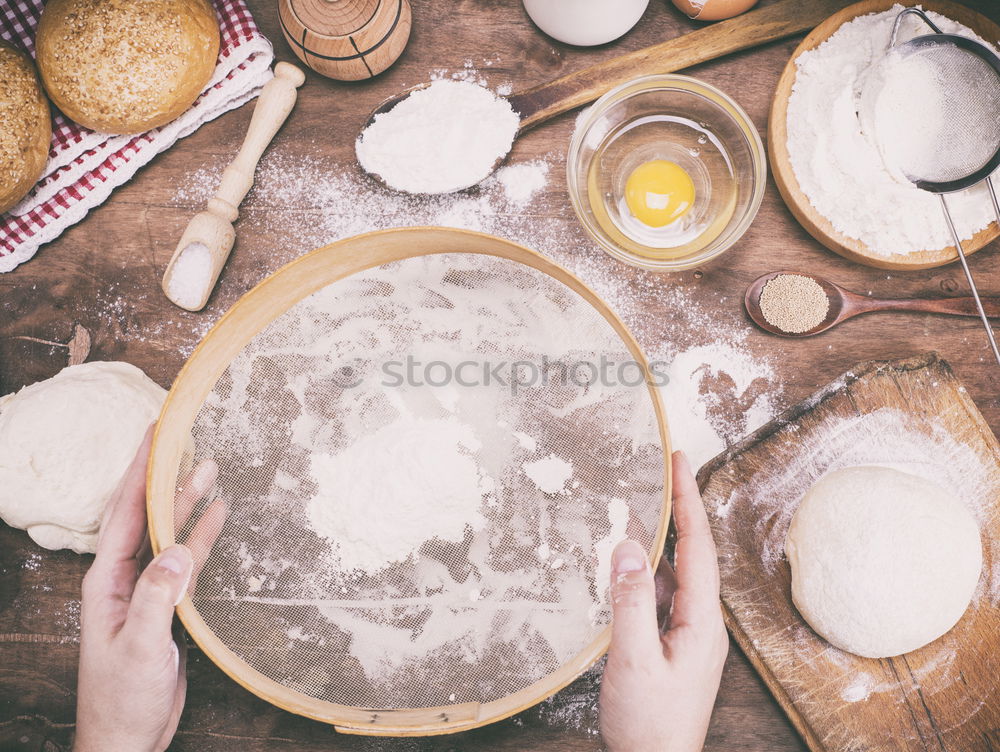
(384, 496)
(550, 474)
(836, 159)
(503, 574)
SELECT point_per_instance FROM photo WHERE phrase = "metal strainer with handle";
(943, 136)
(426, 364)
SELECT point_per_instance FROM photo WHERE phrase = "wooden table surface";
(103, 274)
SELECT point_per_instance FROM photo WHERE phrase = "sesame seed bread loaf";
(126, 66)
(25, 130)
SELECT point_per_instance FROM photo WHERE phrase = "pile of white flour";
(389, 492)
(837, 160)
(440, 139)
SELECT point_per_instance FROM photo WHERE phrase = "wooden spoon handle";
(275, 102)
(775, 21)
(965, 306)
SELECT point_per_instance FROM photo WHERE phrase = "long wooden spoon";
(775, 21)
(845, 305)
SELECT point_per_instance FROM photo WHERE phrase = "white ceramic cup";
(585, 22)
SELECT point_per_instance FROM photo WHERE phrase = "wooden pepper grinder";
(348, 40)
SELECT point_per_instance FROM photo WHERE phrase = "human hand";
(659, 688)
(132, 684)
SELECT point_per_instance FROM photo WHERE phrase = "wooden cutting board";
(913, 415)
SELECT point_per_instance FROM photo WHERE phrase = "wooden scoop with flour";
(205, 245)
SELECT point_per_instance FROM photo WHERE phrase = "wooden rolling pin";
(776, 21)
(205, 245)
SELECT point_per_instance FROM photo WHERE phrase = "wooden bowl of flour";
(798, 203)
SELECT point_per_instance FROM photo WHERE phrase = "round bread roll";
(883, 562)
(25, 130)
(126, 66)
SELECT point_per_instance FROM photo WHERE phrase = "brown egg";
(713, 10)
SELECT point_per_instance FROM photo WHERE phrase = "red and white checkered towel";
(84, 166)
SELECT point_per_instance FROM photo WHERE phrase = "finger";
(666, 585)
(204, 534)
(635, 635)
(193, 489)
(145, 553)
(180, 693)
(114, 570)
(179, 649)
(695, 561)
(158, 590)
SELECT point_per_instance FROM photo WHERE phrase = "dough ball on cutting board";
(25, 129)
(883, 562)
(65, 443)
(126, 66)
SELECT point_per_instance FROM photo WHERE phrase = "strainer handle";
(993, 197)
(899, 21)
(968, 275)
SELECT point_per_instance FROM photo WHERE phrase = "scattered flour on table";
(576, 707)
(522, 181)
(715, 393)
(838, 164)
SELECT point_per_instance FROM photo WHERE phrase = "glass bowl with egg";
(665, 172)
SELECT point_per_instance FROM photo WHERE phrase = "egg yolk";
(659, 192)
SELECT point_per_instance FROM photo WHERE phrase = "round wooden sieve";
(252, 314)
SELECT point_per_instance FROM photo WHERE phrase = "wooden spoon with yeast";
(845, 305)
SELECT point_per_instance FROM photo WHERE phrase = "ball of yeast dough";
(126, 66)
(25, 130)
(883, 562)
(65, 443)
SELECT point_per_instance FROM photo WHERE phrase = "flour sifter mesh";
(426, 465)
